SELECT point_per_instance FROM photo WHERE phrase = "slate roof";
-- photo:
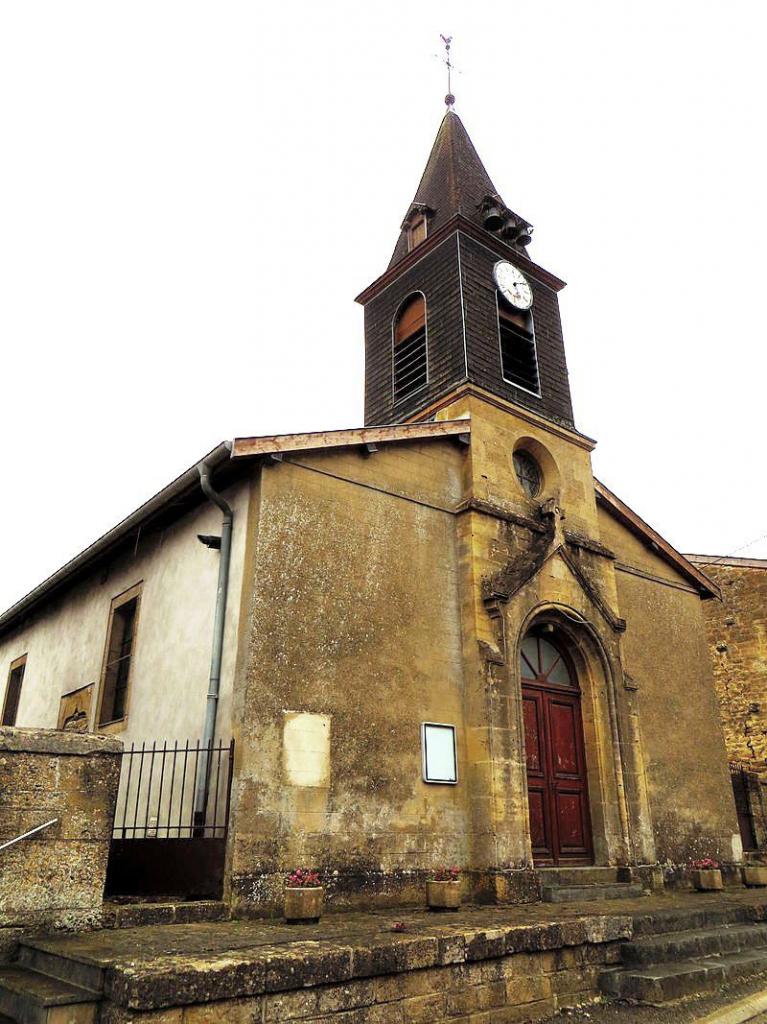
(454, 181)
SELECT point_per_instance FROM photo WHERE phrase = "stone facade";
(736, 629)
(55, 878)
(393, 589)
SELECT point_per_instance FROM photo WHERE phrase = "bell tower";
(462, 308)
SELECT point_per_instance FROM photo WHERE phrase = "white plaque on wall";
(438, 751)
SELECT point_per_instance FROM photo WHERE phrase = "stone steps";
(660, 921)
(37, 958)
(28, 997)
(671, 947)
(581, 893)
(680, 953)
(660, 983)
(588, 875)
(134, 915)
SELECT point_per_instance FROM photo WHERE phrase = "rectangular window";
(119, 654)
(13, 691)
(416, 233)
(519, 361)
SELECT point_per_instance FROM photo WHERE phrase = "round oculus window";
(528, 473)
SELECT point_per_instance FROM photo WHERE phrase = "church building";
(437, 638)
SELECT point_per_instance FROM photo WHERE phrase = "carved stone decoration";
(74, 709)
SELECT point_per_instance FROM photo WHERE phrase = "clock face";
(513, 285)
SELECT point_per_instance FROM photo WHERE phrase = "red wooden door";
(560, 827)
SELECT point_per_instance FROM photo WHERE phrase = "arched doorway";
(560, 821)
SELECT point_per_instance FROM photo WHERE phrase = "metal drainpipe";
(219, 620)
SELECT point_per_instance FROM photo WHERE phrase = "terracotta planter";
(443, 895)
(707, 880)
(755, 875)
(303, 904)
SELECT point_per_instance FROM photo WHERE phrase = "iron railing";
(157, 791)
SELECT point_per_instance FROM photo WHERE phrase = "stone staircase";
(574, 885)
(43, 987)
(684, 953)
(29, 996)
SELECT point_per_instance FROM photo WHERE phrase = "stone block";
(527, 990)
(169, 981)
(290, 1006)
(307, 963)
(335, 998)
(451, 949)
(234, 1011)
(389, 958)
(482, 945)
(410, 985)
(423, 1009)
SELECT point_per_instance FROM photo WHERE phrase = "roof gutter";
(219, 621)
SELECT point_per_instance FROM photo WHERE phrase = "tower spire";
(449, 98)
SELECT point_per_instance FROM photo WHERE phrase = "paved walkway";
(218, 938)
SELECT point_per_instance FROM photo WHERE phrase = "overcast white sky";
(191, 195)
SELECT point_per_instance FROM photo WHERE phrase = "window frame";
(511, 383)
(115, 724)
(415, 222)
(395, 319)
(433, 780)
(17, 663)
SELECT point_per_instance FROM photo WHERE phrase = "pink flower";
(303, 878)
(445, 874)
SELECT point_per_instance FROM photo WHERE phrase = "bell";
(492, 218)
(525, 235)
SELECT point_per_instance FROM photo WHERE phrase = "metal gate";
(740, 789)
(161, 847)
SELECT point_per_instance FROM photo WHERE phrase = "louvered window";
(410, 356)
(519, 360)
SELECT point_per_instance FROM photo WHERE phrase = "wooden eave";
(460, 223)
(247, 447)
(652, 539)
(728, 561)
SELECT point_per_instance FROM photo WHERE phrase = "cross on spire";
(449, 98)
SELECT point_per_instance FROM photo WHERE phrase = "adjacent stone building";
(736, 628)
(443, 639)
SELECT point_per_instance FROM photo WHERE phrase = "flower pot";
(755, 875)
(303, 904)
(443, 895)
(707, 880)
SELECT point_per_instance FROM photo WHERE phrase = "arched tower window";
(410, 364)
(519, 359)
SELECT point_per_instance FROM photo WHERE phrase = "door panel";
(560, 826)
(538, 799)
(564, 743)
(533, 731)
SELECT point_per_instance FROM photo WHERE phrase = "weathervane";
(450, 98)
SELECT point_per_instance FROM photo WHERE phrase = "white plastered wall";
(64, 642)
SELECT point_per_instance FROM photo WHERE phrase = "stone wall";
(499, 975)
(736, 628)
(354, 642)
(54, 879)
